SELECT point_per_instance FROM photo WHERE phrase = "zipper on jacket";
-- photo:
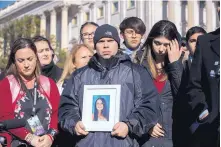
(104, 73)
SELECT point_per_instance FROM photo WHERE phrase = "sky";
(4, 4)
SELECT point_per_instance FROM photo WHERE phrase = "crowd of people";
(169, 87)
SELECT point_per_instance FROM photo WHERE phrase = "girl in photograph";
(100, 110)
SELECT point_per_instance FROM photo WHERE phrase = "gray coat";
(138, 100)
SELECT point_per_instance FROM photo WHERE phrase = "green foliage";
(3, 62)
(27, 26)
(62, 57)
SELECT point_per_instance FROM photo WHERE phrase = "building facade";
(64, 18)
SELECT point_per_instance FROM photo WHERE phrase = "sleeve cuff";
(174, 65)
(21, 133)
(203, 113)
(52, 132)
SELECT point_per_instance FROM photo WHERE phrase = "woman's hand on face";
(174, 52)
(156, 131)
(120, 129)
(80, 129)
(45, 141)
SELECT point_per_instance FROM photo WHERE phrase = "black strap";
(28, 93)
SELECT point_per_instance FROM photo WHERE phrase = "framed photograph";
(101, 107)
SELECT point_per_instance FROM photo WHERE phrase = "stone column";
(149, 19)
(171, 10)
(43, 25)
(64, 27)
(174, 13)
(53, 22)
(123, 9)
(107, 13)
(80, 15)
(209, 16)
(93, 13)
(193, 13)
(140, 9)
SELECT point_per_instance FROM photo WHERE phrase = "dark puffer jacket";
(137, 101)
(166, 101)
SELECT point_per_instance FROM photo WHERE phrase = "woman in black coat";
(46, 56)
(161, 55)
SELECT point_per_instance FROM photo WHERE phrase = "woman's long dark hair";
(11, 68)
(104, 112)
(163, 28)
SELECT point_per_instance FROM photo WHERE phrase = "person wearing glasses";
(87, 34)
(132, 30)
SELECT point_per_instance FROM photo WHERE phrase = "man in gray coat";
(138, 95)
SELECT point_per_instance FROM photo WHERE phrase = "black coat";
(52, 71)
(203, 86)
(138, 100)
(166, 101)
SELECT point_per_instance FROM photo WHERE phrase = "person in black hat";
(137, 98)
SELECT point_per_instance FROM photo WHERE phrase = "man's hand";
(120, 129)
(156, 131)
(80, 129)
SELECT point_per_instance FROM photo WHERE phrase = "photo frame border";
(105, 126)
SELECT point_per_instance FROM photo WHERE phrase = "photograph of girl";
(100, 108)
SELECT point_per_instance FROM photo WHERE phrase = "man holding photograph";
(138, 97)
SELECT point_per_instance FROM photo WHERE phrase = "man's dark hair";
(134, 23)
(194, 30)
(183, 41)
(85, 24)
(41, 38)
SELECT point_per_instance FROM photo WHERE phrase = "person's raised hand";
(174, 51)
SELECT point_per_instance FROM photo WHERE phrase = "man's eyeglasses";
(131, 33)
(87, 35)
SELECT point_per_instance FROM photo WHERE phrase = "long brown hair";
(11, 68)
(69, 67)
(163, 28)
